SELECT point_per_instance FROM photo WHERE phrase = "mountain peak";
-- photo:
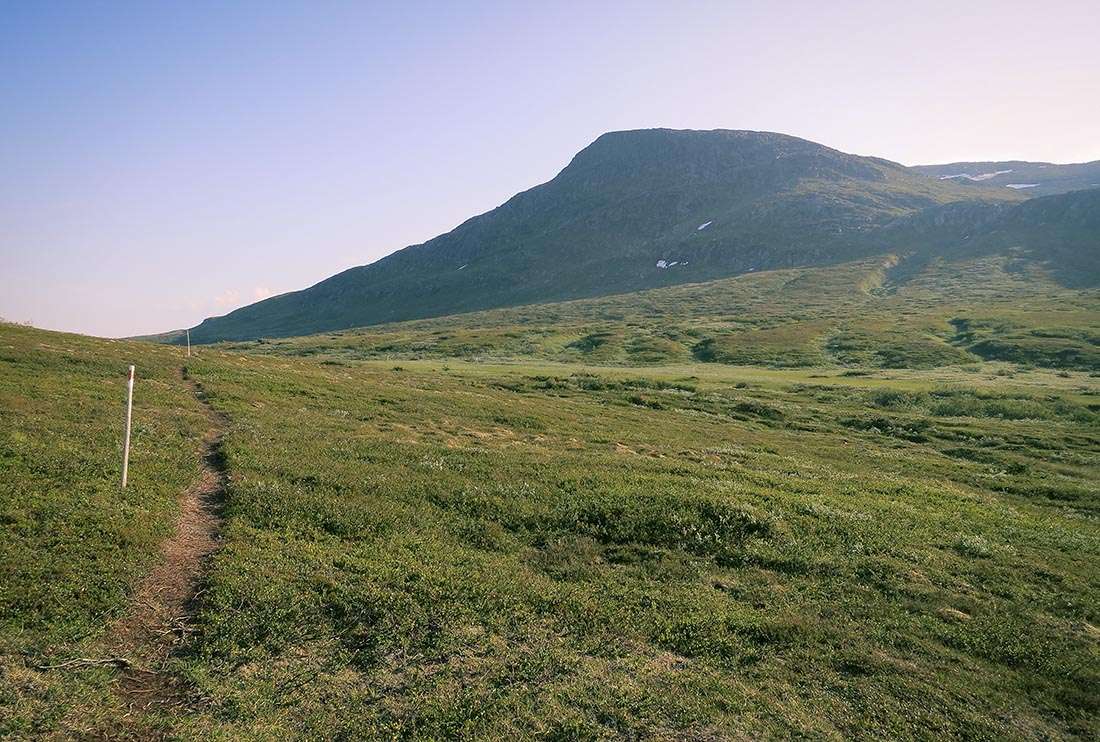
(769, 159)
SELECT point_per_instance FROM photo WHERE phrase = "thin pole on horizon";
(129, 416)
(188, 342)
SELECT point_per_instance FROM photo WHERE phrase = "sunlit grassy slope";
(879, 312)
(793, 503)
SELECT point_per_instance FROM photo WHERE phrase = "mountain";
(1030, 178)
(633, 210)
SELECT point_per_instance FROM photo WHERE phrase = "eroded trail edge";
(159, 618)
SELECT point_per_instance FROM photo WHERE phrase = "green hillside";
(849, 501)
(634, 210)
(922, 311)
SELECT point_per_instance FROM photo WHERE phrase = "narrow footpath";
(159, 618)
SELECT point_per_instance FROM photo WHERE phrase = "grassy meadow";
(72, 542)
(799, 503)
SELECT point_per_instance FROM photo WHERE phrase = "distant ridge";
(1029, 178)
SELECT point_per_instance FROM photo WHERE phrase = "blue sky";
(163, 162)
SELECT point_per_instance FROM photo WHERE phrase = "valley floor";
(533, 545)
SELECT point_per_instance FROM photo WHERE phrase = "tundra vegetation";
(859, 500)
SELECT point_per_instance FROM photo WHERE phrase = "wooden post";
(129, 415)
(188, 342)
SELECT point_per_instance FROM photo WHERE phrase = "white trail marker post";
(129, 415)
(189, 343)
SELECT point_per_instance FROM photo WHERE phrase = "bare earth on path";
(158, 619)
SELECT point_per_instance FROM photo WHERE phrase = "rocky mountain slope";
(634, 210)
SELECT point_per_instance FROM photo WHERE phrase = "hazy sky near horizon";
(164, 162)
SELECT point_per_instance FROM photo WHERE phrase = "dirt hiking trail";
(158, 619)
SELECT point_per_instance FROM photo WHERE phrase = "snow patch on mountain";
(975, 178)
